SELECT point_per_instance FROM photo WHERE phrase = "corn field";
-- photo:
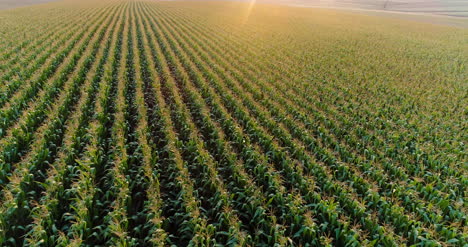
(172, 123)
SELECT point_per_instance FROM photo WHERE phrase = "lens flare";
(249, 11)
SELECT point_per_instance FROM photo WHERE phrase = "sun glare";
(248, 11)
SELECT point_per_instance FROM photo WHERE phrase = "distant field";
(183, 123)
(440, 7)
(9, 4)
(440, 12)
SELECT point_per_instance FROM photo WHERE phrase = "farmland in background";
(10, 4)
(158, 123)
(439, 7)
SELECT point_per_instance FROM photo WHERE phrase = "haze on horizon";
(457, 8)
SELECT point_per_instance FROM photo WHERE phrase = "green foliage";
(141, 123)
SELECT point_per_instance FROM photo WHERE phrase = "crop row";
(140, 123)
